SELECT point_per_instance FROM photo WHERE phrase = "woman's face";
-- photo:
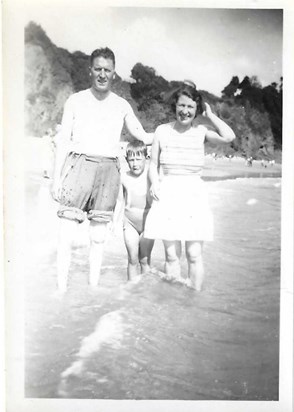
(185, 110)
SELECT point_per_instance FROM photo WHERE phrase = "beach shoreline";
(39, 156)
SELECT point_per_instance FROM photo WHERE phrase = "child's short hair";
(136, 147)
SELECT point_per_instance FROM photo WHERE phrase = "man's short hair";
(137, 147)
(102, 52)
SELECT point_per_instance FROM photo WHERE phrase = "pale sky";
(208, 46)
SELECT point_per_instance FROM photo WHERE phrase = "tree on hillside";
(231, 88)
(147, 87)
(251, 91)
(273, 100)
(79, 71)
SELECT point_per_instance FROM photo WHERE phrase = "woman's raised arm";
(224, 133)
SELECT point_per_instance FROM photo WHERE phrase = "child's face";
(136, 163)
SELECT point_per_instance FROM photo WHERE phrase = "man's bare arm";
(135, 128)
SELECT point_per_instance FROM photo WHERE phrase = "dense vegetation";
(52, 74)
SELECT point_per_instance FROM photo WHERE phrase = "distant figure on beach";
(87, 171)
(249, 161)
(136, 203)
(180, 209)
(47, 153)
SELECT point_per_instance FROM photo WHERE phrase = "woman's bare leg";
(195, 264)
(173, 251)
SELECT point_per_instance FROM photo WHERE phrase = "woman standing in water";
(180, 211)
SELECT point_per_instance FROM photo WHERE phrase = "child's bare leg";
(132, 238)
(67, 230)
(98, 231)
(173, 251)
(195, 264)
(145, 249)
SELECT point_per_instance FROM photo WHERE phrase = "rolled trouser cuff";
(71, 213)
(100, 216)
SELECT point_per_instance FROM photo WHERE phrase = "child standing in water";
(136, 202)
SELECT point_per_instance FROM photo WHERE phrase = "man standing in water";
(87, 172)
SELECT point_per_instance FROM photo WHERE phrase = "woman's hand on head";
(207, 112)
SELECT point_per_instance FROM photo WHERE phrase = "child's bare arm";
(153, 168)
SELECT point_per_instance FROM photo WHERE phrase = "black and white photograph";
(165, 283)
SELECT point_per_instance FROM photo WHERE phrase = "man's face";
(136, 163)
(102, 72)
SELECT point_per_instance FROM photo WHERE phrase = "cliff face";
(45, 93)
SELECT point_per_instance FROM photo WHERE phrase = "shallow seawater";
(160, 340)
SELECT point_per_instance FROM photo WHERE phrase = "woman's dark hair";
(102, 52)
(188, 89)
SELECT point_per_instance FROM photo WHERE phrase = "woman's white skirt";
(182, 211)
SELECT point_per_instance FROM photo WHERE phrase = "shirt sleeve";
(128, 109)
